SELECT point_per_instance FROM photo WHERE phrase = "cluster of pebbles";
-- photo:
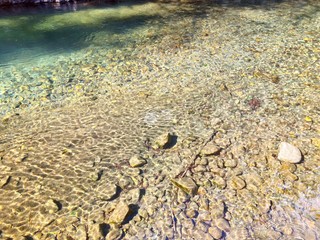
(210, 132)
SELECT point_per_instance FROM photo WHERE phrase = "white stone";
(289, 153)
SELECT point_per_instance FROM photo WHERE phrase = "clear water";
(85, 87)
(29, 35)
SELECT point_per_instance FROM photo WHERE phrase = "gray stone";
(137, 161)
(289, 153)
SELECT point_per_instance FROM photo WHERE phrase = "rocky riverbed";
(209, 131)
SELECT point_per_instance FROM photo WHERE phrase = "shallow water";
(84, 89)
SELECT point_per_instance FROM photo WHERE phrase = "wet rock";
(133, 172)
(52, 206)
(94, 231)
(186, 184)
(114, 234)
(119, 214)
(204, 204)
(133, 196)
(218, 209)
(237, 183)
(231, 163)
(286, 166)
(286, 175)
(4, 181)
(219, 182)
(210, 149)
(137, 161)
(223, 224)
(289, 153)
(215, 232)
(191, 213)
(163, 141)
(81, 233)
(108, 192)
(125, 181)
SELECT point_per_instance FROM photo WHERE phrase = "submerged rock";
(162, 141)
(289, 153)
(186, 184)
(119, 214)
(210, 149)
(137, 161)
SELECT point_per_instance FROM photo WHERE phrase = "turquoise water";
(28, 35)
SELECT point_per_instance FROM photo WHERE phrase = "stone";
(191, 213)
(286, 166)
(108, 192)
(114, 234)
(219, 182)
(210, 149)
(133, 196)
(119, 214)
(289, 153)
(137, 161)
(186, 184)
(162, 141)
(52, 206)
(4, 181)
(237, 183)
(223, 224)
(230, 163)
(94, 231)
(81, 232)
(215, 232)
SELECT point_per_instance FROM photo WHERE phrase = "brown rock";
(119, 214)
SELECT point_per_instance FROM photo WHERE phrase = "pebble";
(162, 141)
(119, 214)
(210, 149)
(107, 192)
(231, 163)
(191, 213)
(137, 161)
(223, 224)
(52, 206)
(215, 232)
(4, 181)
(114, 234)
(289, 153)
(237, 183)
(219, 182)
(186, 184)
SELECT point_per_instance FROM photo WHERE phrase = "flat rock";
(237, 183)
(210, 149)
(186, 184)
(162, 141)
(137, 161)
(119, 214)
(289, 153)
(107, 192)
(114, 234)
